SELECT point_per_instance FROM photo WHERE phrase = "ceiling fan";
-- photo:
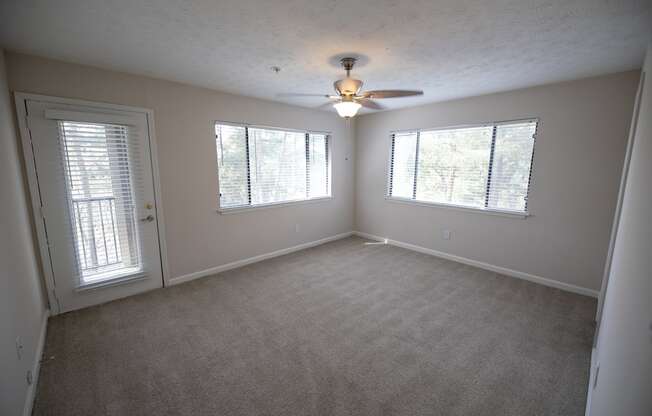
(350, 99)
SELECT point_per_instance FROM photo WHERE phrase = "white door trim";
(32, 180)
(619, 203)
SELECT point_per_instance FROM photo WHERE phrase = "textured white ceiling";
(448, 48)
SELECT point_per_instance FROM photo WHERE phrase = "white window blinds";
(511, 166)
(318, 171)
(261, 166)
(233, 164)
(99, 170)
(484, 167)
(403, 164)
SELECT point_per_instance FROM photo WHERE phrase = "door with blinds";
(97, 203)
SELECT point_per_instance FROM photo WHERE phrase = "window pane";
(278, 165)
(511, 168)
(453, 166)
(318, 154)
(402, 172)
(100, 191)
(232, 165)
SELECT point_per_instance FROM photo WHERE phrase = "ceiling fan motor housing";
(348, 86)
(348, 63)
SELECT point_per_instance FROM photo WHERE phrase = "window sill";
(510, 214)
(118, 280)
(227, 211)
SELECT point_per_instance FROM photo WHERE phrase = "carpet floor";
(346, 328)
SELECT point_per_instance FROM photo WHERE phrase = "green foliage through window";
(261, 166)
(485, 167)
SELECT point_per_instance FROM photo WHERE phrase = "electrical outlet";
(19, 348)
(297, 228)
(446, 234)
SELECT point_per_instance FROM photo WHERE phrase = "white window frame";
(246, 208)
(483, 210)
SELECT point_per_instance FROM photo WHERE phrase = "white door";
(95, 184)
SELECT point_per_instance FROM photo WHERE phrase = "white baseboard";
(36, 366)
(255, 259)
(482, 265)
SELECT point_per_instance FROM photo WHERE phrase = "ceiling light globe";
(347, 109)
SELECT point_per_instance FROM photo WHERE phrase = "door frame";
(619, 202)
(21, 99)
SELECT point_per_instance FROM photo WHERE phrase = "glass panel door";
(101, 199)
(96, 189)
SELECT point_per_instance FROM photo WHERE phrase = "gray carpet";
(340, 329)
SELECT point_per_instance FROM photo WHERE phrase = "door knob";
(148, 218)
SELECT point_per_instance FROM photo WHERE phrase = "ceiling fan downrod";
(348, 63)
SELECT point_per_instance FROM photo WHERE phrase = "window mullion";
(491, 165)
(391, 166)
(307, 165)
(327, 144)
(416, 166)
(248, 166)
(529, 176)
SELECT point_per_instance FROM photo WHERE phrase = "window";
(262, 166)
(100, 192)
(485, 167)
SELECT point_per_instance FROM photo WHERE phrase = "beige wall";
(199, 238)
(577, 163)
(624, 349)
(578, 157)
(22, 304)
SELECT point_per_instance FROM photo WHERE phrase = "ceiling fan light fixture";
(347, 109)
(349, 97)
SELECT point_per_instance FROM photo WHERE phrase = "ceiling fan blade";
(367, 103)
(390, 93)
(299, 94)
